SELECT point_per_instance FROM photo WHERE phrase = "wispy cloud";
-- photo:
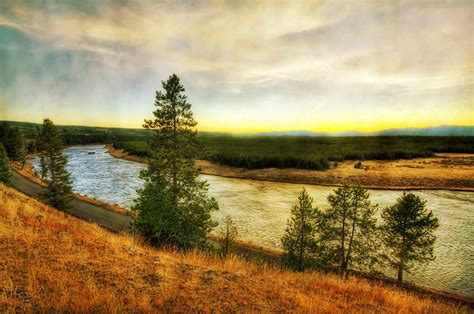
(305, 61)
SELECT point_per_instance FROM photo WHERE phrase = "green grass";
(312, 152)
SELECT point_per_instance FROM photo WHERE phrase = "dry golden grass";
(445, 171)
(54, 262)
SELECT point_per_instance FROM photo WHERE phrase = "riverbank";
(261, 254)
(60, 263)
(453, 172)
(26, 170)
(247, 250)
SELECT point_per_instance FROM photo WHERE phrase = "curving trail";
(103, 217)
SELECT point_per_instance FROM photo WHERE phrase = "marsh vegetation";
(315, 153)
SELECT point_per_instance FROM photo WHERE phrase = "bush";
(358, 165)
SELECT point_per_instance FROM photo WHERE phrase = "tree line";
(49, 141)
(345, 238)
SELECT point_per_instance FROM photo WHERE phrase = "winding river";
(260, 210)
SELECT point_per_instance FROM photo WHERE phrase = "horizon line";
(259, 132)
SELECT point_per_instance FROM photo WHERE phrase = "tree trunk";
(174, 166)
(343, 251)
(400, 272)
(300, 261)
(349, 249)
(401, 264)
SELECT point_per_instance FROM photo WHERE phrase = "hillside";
(55, 262)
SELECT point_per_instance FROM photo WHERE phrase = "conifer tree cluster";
(5, 173)
(344, 238)
(13, 142)
(350, 229)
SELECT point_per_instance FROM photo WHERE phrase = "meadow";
(315, 153)
(53, 262)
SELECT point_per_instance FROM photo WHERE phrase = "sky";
(247, 66)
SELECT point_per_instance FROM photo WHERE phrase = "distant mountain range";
(444, 130)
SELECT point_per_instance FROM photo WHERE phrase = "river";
(260, 210)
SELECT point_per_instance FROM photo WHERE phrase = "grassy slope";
(53, 262)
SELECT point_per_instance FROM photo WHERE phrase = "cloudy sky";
(247, 66)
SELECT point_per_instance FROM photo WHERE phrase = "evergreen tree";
(408, 233)
(53, 167)
(300, 239)
(173, 207)
(228, 234)
(5, 173)
(13, 142)
(350, 231)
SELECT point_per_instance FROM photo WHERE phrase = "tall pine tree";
(408, 233)
(300, 241)
(53, 167)
(5, 173)
(173, 207)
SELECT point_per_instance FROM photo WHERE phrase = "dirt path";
(118, 222)
(103, 217)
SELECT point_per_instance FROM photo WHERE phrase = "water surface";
(260, 210)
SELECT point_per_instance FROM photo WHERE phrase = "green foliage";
(140, 149)
(173, 207)
(300, 241)
(5, 173)
(53, 167)
(349, 230)
(408, 233)
(79, 135)
(228, 234)
(13, 142)
(311, 152)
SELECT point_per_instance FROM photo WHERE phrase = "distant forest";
(82, 135)
(315, 153)
(259, 151)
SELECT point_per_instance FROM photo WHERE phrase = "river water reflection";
(261, 209)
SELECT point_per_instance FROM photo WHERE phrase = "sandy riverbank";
(445, 172)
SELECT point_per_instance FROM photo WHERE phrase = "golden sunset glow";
(247, 67)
